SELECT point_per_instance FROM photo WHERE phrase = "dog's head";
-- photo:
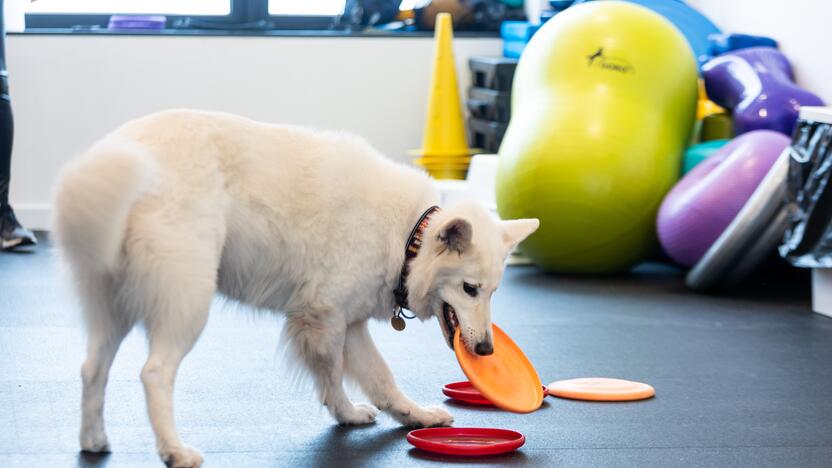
(459, 267)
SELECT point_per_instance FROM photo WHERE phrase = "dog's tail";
(93, 202)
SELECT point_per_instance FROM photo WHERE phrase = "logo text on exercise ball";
(605, 62)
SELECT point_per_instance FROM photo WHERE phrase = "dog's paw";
(94, 442)
(181, 457)
(428, 416)
(361, 413)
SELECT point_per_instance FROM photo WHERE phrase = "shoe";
(12, 234)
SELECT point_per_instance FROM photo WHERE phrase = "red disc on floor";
(465, 392)
(471, 441)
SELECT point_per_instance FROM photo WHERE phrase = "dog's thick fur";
(171, 208)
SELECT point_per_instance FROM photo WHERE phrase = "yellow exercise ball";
(603, 103)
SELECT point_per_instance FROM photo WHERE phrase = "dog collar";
(414, 243)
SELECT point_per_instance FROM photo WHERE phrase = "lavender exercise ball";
(706, 200)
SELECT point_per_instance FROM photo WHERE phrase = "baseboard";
(822, 291)
(34, 215)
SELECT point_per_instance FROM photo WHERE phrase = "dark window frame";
(245, 15)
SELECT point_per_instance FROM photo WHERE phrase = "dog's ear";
(516, 230)
(455, 235)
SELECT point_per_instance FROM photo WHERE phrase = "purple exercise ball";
(757, 86)
(702, 205)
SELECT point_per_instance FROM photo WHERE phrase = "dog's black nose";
(484, 348)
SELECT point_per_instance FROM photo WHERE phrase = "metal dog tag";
(398, 323)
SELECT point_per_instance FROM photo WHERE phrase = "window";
(240, 15)
(319, 7)
(254, 15)
(164, 7)
(306, 7)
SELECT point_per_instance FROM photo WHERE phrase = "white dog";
(171, 208)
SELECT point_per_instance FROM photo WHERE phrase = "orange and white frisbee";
(506, 378)
(601, 389)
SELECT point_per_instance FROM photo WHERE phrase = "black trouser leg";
(6, 137)
(6, 123)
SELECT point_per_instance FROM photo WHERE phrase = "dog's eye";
(470, 289)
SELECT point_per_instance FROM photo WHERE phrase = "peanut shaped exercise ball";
(603, 103)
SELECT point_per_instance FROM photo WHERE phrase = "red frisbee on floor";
(465, 392)
(471, 441)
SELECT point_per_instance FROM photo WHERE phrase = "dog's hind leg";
(106, 328)
(174, 328)
(366, 365)
(317, 336)
(179, 275)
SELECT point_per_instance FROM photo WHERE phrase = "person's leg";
(6, 135)
(12, 234)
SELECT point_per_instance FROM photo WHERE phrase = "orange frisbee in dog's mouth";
(506, 378)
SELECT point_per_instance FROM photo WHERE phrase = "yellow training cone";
(444, 127)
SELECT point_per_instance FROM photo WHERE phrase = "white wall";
(801, 27)
(69, 90)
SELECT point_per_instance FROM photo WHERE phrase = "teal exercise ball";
(603, 104)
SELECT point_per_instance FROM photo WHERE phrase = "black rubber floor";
(741, 380)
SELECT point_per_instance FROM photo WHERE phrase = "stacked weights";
(489, 100)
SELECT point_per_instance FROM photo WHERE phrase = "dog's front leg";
(366, 365)
(318, 339)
